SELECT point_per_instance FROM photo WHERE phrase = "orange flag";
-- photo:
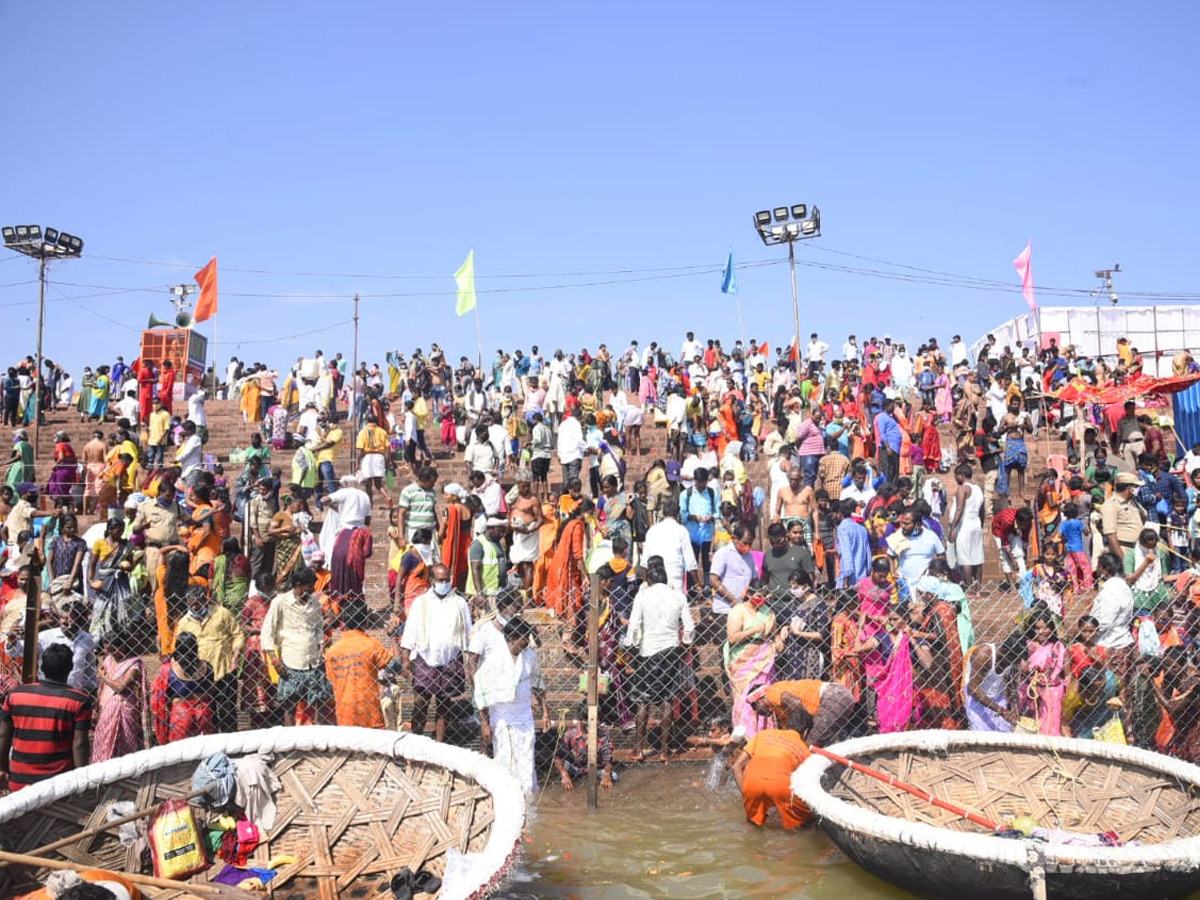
(206, 306)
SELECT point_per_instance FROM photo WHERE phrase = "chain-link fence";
(687, 642)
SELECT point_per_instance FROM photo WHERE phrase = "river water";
(661, 833)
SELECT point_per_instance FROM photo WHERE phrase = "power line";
(698, 268)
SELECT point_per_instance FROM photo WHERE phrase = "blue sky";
(391, 138)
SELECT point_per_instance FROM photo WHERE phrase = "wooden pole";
(593, 691)
(33, 605)
(184, 887)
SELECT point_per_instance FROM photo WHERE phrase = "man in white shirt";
(571, 448)
(437, 634)
(691, 348)
(190, 455)
(347, 507)
(197, 415)
(660, 615)
(859, 489)
(309, 423)
(850, 349)
(669, 540)
(816, 350)
(676, 423)
(958, 351)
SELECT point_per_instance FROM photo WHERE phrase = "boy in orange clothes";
(763, 771)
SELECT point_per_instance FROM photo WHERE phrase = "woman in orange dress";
(846, 667)
(203, 540)
(566, 576)
(546, 536)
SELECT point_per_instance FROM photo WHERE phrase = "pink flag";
(1025, 269)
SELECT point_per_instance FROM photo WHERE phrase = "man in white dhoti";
(506, 681)
(525, 520)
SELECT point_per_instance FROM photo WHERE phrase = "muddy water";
(661, 833)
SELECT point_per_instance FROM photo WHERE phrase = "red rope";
(920, 793)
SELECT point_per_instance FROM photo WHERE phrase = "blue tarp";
(1187, 415)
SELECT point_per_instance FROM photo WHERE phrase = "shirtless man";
(525, 519)
(796, 501)
(1014, 426)
(93, 458)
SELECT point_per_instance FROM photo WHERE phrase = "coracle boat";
(1106, 820)
(355, 806)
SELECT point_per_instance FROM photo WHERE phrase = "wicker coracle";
(356, 805)
(1150, 802)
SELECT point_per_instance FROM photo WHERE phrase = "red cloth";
(206, 306)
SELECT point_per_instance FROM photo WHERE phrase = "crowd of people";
(818, 524)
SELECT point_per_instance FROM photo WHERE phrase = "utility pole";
(1106, 275)
(354, 392)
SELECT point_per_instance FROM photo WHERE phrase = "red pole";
(911, 789)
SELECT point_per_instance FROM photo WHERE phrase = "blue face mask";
(442, 588)
(198, 613)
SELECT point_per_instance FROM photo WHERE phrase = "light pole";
(29, 240)
(786, 225)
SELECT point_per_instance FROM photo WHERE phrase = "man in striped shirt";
(44, 725)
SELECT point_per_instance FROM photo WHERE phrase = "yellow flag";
(465, 279)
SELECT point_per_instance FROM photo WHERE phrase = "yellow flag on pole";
(465, 279)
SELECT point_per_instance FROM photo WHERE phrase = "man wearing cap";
(292, 637)
(1122, 517)
(157, 520)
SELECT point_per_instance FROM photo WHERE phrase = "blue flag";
(729, 279)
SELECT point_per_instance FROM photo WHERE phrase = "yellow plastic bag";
(175, 843)
(1111, 732)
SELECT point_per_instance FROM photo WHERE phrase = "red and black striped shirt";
(45, 716)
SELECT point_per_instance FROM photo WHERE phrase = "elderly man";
(435, 638)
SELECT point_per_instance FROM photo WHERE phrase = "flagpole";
(479, 336)
(216, 357)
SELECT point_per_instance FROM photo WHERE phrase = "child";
(1073, 528)
(1084, 651)
(570, 755)
(1144, 572)
(1178, 536)
(1050, 584)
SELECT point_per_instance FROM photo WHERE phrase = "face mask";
(198, 613)
(757, 600)
(441, 588)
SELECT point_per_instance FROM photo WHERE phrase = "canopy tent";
(1079, 390)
